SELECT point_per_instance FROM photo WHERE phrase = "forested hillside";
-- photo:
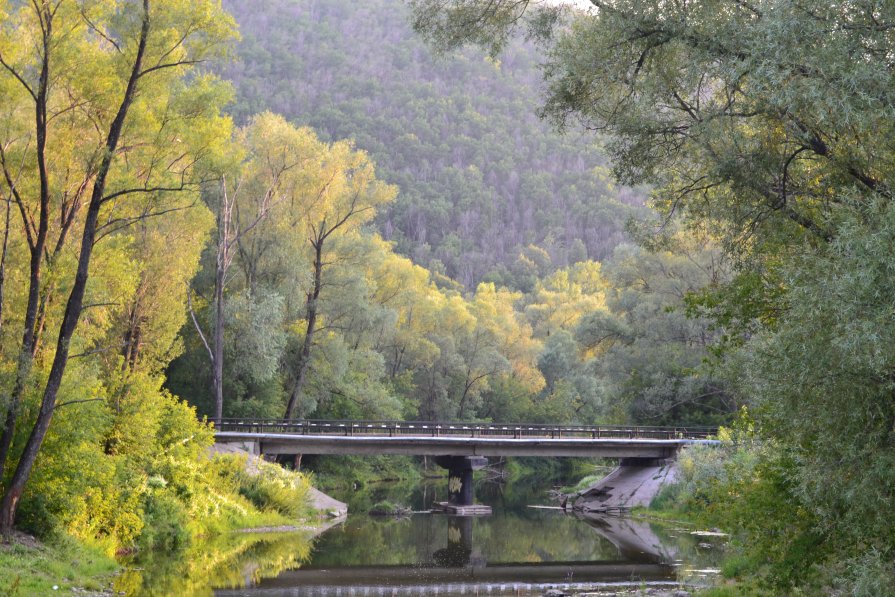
(157, 256)
(481, 178)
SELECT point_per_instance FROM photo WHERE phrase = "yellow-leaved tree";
(107, 122)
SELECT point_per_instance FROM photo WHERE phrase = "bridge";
(458, 447)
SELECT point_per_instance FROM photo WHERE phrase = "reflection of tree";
(231, 560)
(532, 536)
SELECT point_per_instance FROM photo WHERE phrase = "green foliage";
(276, 489)
(167, 522)
(352, 472)
(484, 184)
(644, 352)
(869, 574)
(743, 488)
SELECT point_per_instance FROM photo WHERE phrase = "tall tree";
(268, 175)
(347, 200)
(111, 77)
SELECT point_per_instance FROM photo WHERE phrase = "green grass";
(35, 570)
(584, 483)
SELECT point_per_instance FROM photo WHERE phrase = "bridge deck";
(458, 439)
(436, 429)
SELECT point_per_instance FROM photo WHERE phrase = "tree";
(646, 347)
(561, 299)
(116, 134)
(271, 173)
(347, 199)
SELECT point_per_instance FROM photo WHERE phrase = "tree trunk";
(3, 259)
(26, 356)
(75, 302)
(305, 355)
(45, 300)
(133, 336)
(217, 343)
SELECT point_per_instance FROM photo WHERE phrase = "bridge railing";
(437, 429)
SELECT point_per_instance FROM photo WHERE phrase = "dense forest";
(302, 209)
(768, 124)
(481, 177)
(357, 329)
(162, 262)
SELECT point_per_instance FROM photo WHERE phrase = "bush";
(869, 575)
(167, 523)
(744, 488)
(386, 508)
(270, 488)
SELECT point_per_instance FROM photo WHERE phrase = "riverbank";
(62, 566)
(264, 508)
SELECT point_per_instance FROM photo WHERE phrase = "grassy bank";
(29, 567)
(189, 533)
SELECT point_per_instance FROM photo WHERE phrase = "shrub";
(168, 525)
(270, 488)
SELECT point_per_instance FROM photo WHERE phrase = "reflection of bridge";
(457, 569)
(461, 446)
(423, 580)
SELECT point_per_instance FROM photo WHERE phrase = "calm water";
(518, 550)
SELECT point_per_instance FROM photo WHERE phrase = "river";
(518, 550)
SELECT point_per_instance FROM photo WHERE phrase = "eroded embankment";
(633, 484)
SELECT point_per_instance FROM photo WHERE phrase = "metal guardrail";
(435, 429)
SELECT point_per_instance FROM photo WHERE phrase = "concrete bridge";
(459, 447)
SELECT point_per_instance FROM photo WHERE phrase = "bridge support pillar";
(460, 490)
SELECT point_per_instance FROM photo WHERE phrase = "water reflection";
(459, 544)
(231, 560)
(516, 551)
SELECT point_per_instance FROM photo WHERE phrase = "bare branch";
(15, 74)
(189, 303)
(170, 65)
(61, 404)
(97, 30)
